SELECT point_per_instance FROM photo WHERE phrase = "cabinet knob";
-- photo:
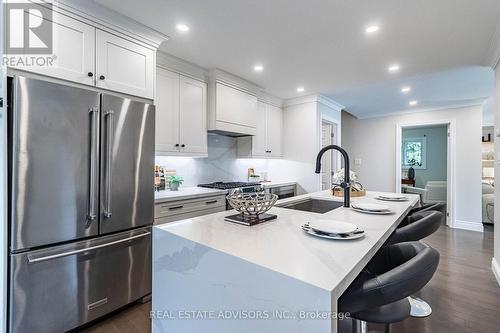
(177, 145)
(183, 145)
(102, 77)
(90, 74)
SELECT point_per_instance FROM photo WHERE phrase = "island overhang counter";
(210, 275)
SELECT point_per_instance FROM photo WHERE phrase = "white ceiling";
(321, 44)
(451, 88)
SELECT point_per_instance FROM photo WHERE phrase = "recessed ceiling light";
(405, 90)
(413, 103)
(258, 68)
(372, 28)
(182, 28)
(393, 68)
(300, 89)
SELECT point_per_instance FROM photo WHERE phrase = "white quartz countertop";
(282, 246)
(186, 193)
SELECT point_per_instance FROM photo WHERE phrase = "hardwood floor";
(464, 294)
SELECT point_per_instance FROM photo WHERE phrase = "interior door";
(193, 116)
(167, 111)
(127, 164)
(54, 163)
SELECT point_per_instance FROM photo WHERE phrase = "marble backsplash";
(221, 164)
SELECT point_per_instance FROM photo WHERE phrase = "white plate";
(392, 197)
(393, 200)
(312, 233)
(332, 226)
(370, 207)
(385, 212)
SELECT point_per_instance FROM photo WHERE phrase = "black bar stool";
(416, 227)
(439, 207)
(379, 294)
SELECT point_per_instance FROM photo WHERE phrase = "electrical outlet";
(357, 161)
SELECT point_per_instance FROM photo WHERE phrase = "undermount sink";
(314, 205)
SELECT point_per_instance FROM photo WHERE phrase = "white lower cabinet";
(183, 209)
(267, 142)
(181, 115)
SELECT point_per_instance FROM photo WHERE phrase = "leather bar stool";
(379, 294)
(414, 228)
(439, 206)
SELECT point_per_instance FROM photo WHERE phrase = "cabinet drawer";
(187, 206)
(178, 217)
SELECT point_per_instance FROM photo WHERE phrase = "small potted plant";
(357, 190)
(175, 182)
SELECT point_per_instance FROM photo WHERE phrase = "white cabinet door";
(124, 66)
(235, 106)
(167, 111)
(274, 131)
(259, 141)
(73, 49)
(193, 115)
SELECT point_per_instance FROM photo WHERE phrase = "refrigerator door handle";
(92, 214)
(109, 161)
(35, 259)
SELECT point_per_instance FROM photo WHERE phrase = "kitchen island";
(210, 275)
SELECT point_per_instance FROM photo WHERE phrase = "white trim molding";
(315, 98)
(495, 267)
(467, 225)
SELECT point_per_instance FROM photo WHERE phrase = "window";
(414, 153)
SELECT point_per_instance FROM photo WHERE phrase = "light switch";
(357, 161)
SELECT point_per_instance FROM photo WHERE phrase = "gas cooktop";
(228, 185)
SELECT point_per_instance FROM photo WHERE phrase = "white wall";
(496, 107)
(436, 153)
(374, 141)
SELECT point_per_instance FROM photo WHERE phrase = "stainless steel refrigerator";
(80, 204)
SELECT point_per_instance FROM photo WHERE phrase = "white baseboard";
(496, 269)
(466, 225)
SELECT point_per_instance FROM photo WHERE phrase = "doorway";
(329, 134)
(425, 162)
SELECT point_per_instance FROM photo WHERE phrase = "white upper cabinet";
(89, 55)
(167, 111)
(274, 130)
(259, 141)
(124, 66)
(233, 110)
(181, 115)
(74, 50)
(193, 116)
(267, 142)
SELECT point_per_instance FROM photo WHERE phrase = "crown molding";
(463, 104)
(107, 19)
(181, 66)
(269, 99)
(492, 57)
(315, 98)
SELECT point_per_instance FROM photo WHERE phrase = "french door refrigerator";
(81, 204)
